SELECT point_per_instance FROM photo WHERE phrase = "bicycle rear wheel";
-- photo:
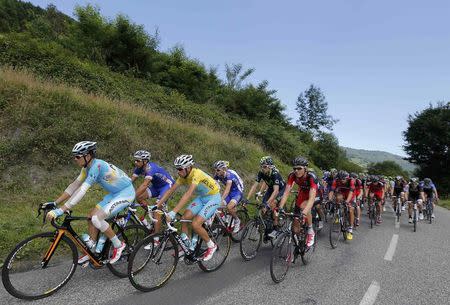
(430, 212)
(251, 240)
(244, 218)
(372, 215)
(151, 264)
(219, 235)
(415, 220)
(335, 230)
(26, 274)
(282, 257)
(132, 235)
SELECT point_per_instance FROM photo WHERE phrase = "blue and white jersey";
(111, 178)
(237, 183)
(427, 188)
(159, 176)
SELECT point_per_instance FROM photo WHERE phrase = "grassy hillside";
(364, 157)
(40, 122)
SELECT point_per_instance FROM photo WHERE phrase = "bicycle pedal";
(85, 264)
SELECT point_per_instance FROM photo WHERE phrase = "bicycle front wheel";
(251, 240)
(335, 230)
(131, 236)
(153, 262)
(220, 236)
(282, 257)
(39, 266)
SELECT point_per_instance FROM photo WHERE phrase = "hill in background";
(364, 157)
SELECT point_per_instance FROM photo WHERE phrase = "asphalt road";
(389, 264)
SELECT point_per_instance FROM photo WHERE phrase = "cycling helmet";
(221, 164)
(300, 161)
(398, 178)
(375, 178)
(427, 181)
(142, 155)
(326, 174)
(333, 171)
(267, 160)
(183, 161)
(342, 175)
(354, 175)
(414, 179)
(85, 147)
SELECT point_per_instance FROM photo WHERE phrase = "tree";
(428, 144)
(235, 75)
(387, 168)
(312, 109)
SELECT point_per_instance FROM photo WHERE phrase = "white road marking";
(371, 294)
(392, 246)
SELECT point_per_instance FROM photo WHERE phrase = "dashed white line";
(371, 294)
(392, 246)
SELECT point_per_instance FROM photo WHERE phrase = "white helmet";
(142, 155)
(84, 147)
(221, 164)
(184, 161)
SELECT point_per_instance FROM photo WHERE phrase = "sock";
(116, 241)
(210, 243)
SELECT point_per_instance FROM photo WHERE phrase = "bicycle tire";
(306, 253)
(244, 218)
(251, 240)
(334, 230)
(132, 235)
(27, 274)
(282, 256)
(142, 262)
(415, 220)
(220, 236)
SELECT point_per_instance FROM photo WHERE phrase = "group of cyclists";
(204, 195)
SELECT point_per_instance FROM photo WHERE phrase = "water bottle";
(185, 239)
(100, 243)
(193, 242)
(88, 241)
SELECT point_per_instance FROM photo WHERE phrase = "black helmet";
(354, 175)
(300, 161)
(342, 175)
(267, 160)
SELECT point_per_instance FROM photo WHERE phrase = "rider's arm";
(310, 203)
(76, 197)
(330, 195)
(252, 190)
(227, 189)
(285, 197)
(276, 190)
(70, 190)
(143, 187)
(167, 195)
(185, 198)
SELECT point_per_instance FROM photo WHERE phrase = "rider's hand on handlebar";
(53, 214)
(245, 201)
(171, 215)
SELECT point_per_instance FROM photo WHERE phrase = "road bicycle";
(223, 217)
(340, 221)
(155, 258)
(288, 247)
(43, 263)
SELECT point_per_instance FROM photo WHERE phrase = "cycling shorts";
(236, 196)
(205, 206)
(158, 192)
(269, 193)
(113, 203)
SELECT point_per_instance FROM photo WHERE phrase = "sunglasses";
(265, 166)
(179, 169)
(137, 160)
(78, 157)
(298, 168)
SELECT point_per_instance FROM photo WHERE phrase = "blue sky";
(376, 61)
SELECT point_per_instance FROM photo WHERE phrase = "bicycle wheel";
(152, 264)
(25, 273)
(372, 215)
(251, 240)
(415, 220)
(220, 236)
(430, 212)
(244, 218)
(282, 257)
(132, 234)
(335, 230)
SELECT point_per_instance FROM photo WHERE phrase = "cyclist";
(234, 188)
(376, 191)
(270, 176)
(307, 190)
(157, 181)
(344, 187)
(358, 196)
(414, 196)
(112, 179)
(428, 188)
(399, 191)
(204, 205)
